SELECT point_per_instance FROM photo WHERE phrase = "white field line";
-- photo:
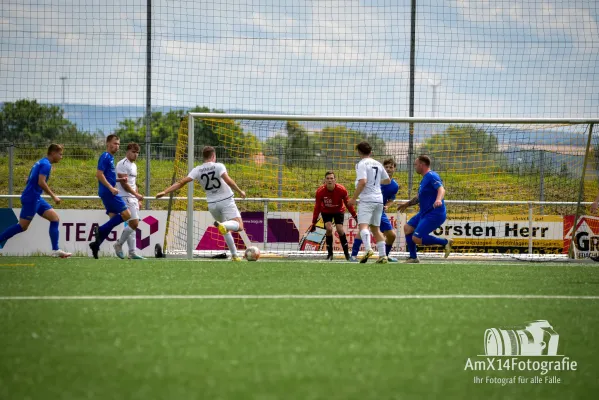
(305, 297)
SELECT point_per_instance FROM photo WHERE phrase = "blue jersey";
(106, 165)
(389, 191)
(33, 191)
(427, 193)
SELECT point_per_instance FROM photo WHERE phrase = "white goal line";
(306, 297)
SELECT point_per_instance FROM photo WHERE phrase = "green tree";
(27, 121)
(338, 145)
(463, 148)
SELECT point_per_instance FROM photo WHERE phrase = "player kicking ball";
(217, 184)
(389, 192)
(432, 212)
(127, 169)
(331, 199)
(32, 202)
(370, 174)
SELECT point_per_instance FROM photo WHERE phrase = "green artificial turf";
(283, 348)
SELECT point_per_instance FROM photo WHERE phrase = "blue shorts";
(424, 225)
(30, 207)
(385, 223)
(113, 204)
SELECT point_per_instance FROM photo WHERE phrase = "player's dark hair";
(390, 161)
(329, 173)
(425, 160)
(207, 152)
(364, 148)
(111, 137)
(55, 148)
(133, 146)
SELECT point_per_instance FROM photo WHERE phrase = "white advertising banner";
(76, 233)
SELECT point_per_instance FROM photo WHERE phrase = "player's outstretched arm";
(403, 206)
(123, 179)
(174, 187)
(359, 188)
(229, 181)
(102, 179)
(41, 181)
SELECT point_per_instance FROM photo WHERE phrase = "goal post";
(515, 186)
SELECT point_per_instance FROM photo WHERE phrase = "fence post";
(530, 211)
(542, 178)
(571, 253)
(280, 176)
(11, 166)
(265, 240)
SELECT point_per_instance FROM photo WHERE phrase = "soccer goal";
(515, 187)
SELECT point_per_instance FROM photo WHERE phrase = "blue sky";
(536, 58)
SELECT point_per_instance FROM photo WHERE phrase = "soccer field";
(178, 329)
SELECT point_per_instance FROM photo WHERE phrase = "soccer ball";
(252, 253)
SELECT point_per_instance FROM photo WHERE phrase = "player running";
(370, 174)
(32, 202)
(331, 199)
(217, 184)
(115, 206)
(126, 168)
(432, 212)
(389, 192)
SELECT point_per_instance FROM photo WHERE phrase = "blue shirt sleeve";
(101, 163)
(44, 170)
(436, 181)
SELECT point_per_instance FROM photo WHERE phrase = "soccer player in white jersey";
(217, 184)
(370, 174)
(126, 168)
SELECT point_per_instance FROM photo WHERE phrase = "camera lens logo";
(536, 338)
(145, 229)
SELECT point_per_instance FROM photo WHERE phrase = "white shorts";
(132, 206)
(224, 210)
(370, 213)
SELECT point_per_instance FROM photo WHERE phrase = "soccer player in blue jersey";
(389, 193)
(32, 202)
(115, 206)
(432, 212)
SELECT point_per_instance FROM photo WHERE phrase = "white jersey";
(373, 171)
(208, 176)
(130, 168)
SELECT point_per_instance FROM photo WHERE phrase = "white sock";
(125, 235)
(131, 243)
(381, 247)
(230, 243)
(231, 225)
(365, 235)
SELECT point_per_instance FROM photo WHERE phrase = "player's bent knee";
(390, 235)
(24, 224)
(126, 215)
(133, 223)
(417, 240)
(407, 229)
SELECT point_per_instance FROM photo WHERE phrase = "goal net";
(518, 188)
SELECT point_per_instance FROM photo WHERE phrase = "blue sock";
(105, 229)
(411, 246)
(54, 234)
(388, 248)
(8, 233)
(356, 247)
(431, 240)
